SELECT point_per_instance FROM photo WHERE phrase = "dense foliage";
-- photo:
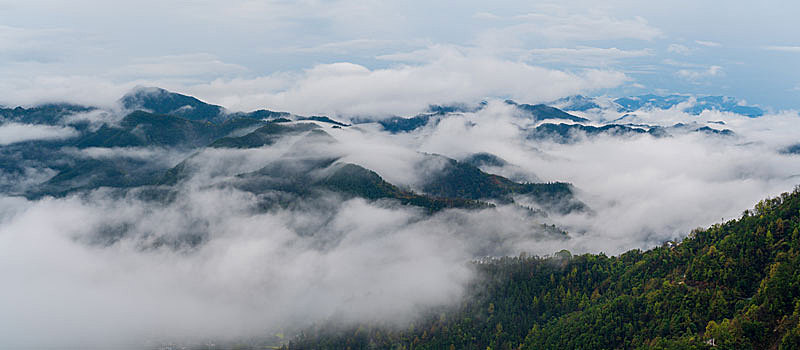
(734, 285)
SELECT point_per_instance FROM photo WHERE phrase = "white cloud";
(19, 44)
(585, 56)
(253, 275)
(346, 46)
(707, 43)
(90, 90)
(438, 74)
(695, 75)
(783, 48)
(154, 155)
(450, 76)
(350, 260)
(188, 65)
(581, 27)
(678, 49)
(16, 132)
(682, 64)
(486, 16)
(615, 175)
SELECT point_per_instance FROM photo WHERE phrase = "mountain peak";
(697, 104)
(161, 101)
(541, 112)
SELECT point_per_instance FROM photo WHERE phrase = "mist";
(16, 132)
(643, 190)
(109, 269)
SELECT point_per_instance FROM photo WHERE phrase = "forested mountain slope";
(734, 285)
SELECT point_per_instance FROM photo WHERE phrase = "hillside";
(734, 285)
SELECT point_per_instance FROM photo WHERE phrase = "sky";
(375, 57)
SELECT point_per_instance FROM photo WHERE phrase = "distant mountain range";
(734, 284)
(694, 105)
(157, 119)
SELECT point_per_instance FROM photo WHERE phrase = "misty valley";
(165, 222)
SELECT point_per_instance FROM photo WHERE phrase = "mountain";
(396, 125)
(169, 120)
(704, 103)
(262, 114)
(302, 172)
(360, 182)
(399, 124)
(435, 112)
(139, 129)
(575, 103)
(462, 180)
(541, 112)
(160, 101)
(791, 149)
(51, 113)
(569, 133)
(710, 131)
(263, 136)
(631, 104)
(310, 177)
(324, 119)
(484, 159)
(459, 185)
(734, 285)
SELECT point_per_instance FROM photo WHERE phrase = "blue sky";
(368, 57)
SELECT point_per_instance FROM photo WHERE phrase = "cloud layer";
(16, 132)
(103, 270)
(344, 88)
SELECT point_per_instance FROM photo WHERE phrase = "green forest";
(734, 285)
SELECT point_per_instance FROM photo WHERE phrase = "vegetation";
(357, 181)
(463, 180)
(734, 285)
(161, 101)
(566, 133)
(263, 136)
(541, 112)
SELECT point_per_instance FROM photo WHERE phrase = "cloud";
(18, 132)
(253, 275)
(707, 43)
(346, 46)
(81, 89)
(654, 184)
(674, 63)
(438, 74)
(103, 269)
(582, 27)
(486, 16)
(118, 272)
(585, 56)
(679, 49)
(160, 157)
(783, 48)
(18, 44)
(449, 75)
(98, 40)
(187, 65)
(695, 75)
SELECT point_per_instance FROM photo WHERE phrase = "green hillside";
(734, 285)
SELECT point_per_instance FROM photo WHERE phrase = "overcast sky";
(291, 54)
